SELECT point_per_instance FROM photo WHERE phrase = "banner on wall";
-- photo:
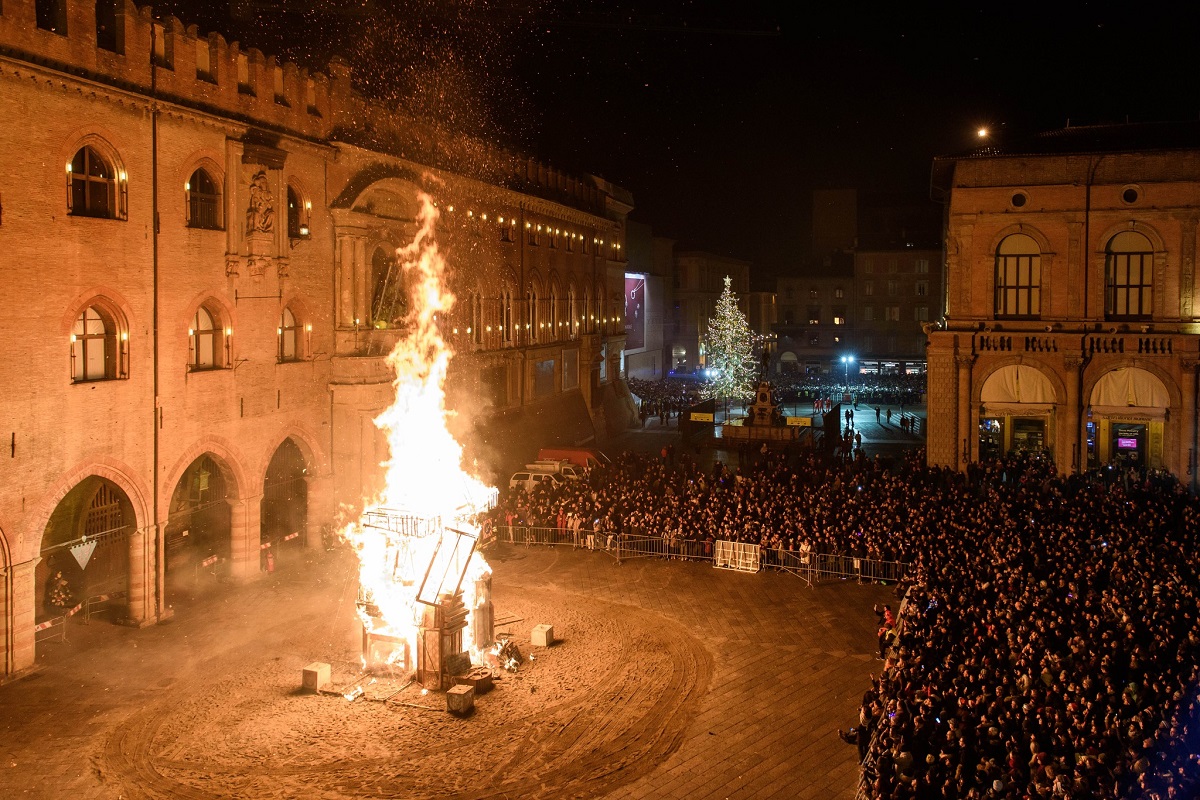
(635, 311)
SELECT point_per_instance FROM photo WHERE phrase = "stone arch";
(1052, 378)
(214, 301)
(116, 472)
(1152, 234)
(224, 455)
(1032, 231)
(385, 175)
(105, 141)
(314, 457)
(1174, 395)
(114, 300)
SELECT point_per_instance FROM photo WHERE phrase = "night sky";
(722, 117)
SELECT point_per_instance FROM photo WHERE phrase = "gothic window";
(206, 336)
(94, 346)
(203, 201)
(1129, 276)
(1018, 277)
(289, 337)
(506, 317)
(92, 185)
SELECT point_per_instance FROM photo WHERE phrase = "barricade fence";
(812, 567)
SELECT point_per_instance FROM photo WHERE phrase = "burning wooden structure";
(424, 614)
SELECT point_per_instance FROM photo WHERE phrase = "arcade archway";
(1016, 412)
(84, 566)
(198, 534)
(284, 510)
(1126, 419)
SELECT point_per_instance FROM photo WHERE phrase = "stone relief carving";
(260, 215)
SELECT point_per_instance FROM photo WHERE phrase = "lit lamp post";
(847, 361)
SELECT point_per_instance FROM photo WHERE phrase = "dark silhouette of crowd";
(1050, 633)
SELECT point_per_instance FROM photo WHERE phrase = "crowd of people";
(1049, 639)
(667, 399)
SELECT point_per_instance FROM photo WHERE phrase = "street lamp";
(847, 361)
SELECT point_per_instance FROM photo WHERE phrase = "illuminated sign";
(1127, 444)
(635, 311)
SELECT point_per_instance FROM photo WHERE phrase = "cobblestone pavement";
(673, 680)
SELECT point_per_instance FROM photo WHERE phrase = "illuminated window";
(1129, 276)
(289, 336)
(204, 340)
(94, 354)
(93, 189)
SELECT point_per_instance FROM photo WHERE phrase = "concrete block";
(460, 699)
(543, 635)
(316, 676)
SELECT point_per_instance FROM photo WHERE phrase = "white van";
(529, 480)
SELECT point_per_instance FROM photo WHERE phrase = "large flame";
(425, 479)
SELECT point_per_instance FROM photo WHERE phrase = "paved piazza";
(670, 680)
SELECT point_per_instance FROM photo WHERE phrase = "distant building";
(813, 325)
(1071, 321)
(699, 281)
(877, 282)
(897, 292)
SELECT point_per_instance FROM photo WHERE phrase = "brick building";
(200, 251)
(1070, 321)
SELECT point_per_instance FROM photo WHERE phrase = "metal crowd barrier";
(811, 567)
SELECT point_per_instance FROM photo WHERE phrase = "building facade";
(897, 293)
(813, 325)
(698, 284)
(1070, 318)
(200, 251)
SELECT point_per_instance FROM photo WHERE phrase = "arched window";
(297, 215)
(1129, 276)
(475, 301)
(1018, 277)
(203, 201)
(585, 311)
(389, 302)
(204, 335)
(289, 337)
(92, 185)
(95, 354)
(531, 320)
(506, 317)
(552, 321)
(572, 313)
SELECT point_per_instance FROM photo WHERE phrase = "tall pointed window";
(203, 334)
(203, 201)
(289, 336)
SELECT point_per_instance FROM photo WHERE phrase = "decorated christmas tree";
(729, 345)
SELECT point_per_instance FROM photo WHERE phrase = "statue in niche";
(260, 216)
